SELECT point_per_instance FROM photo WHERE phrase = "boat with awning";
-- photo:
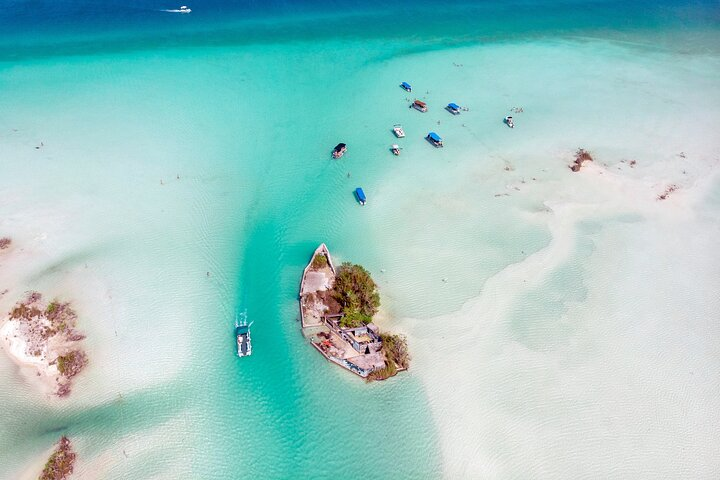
(242, 332)
(453, 108)
(406, 86)
(339, 150)
(419, 105)
(360, 195)
(435, 139)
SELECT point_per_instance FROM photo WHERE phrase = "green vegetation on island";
(357, 294)
(319, 261)
(61, 463)
(71, 363)
(49, 337)
(396, 356)
(336, 312)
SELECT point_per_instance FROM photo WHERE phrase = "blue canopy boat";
(435, 139)
(406, 86)
(453, 108)
(361, 198)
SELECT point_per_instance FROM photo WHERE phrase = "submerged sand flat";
(562, 324)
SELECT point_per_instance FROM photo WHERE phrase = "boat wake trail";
(183, 9)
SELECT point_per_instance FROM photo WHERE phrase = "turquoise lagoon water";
(185, 176)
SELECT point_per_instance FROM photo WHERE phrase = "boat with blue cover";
(434, 139)
(242, 332)
(406, 86)
(360, 195)
(453, 108)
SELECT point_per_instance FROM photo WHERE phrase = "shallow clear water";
(245, 111)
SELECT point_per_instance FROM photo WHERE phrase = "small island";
(43, 336)
(336, 311)
(581, 156)
(61, 463)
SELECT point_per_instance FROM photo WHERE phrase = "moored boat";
(398, 131)
(242, 333)
(339, 150)
(360, 195)
(395, 150)
(509, 122)
(453, 108)
(419, 105)
(434, 139)
(406, 86)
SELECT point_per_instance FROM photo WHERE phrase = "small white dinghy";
(509, 122)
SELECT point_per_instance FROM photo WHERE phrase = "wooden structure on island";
(358, 350)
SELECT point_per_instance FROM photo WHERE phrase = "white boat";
(509, 122)
(242, 332)
(398, 131)
(395, 150)
(185, 9)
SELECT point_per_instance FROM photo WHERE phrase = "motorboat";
(453, 108)
(339, 150)
(509, 122)
(242, 332)
(360, 195)
(395, 150)
(406, 86)
(434, 139)
(398, 131)
(183, 9)
(419, 105)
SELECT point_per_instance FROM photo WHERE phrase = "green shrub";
(388, 371)
(319, 261)
(61, 463)
(356, 291)
(354, 319)
(395, 349)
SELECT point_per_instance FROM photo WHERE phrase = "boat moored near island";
(509, 122)
(406, 86)
(339, 150)
(398, 131)
(453, 108)
(419, 105)
(395, 149)
(360, 195)
(434, 139)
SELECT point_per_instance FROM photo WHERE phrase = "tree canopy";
(357, 294)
